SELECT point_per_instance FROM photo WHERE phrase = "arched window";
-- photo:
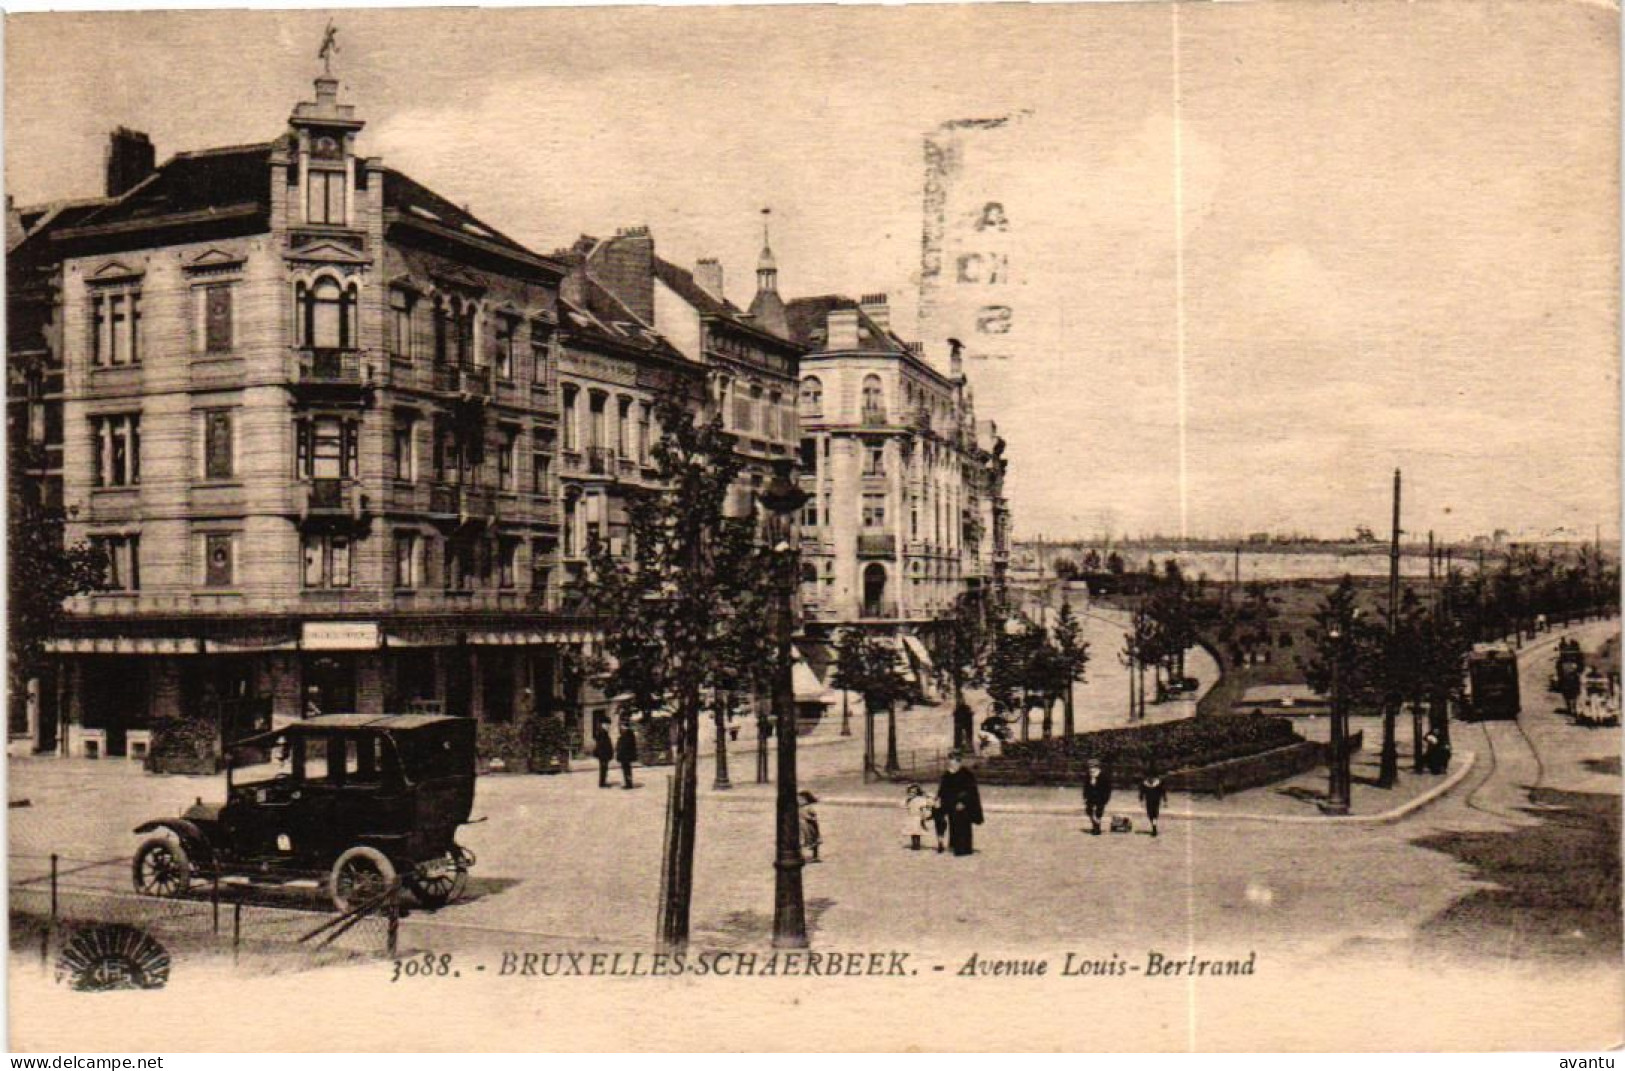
(874, 399)
(812, 395)
(874, 590)
(327, 315)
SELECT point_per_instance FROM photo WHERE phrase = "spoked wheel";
(438, 883)
(361, 875)
(161, 868)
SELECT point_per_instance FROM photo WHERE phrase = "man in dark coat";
(603, 749)
(964, 727)
(626, 752)
(1097, 792)
(962, 803)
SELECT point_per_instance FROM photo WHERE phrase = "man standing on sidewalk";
(626, 752)
(603, 749)
(1097, 792)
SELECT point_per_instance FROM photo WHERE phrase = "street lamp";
(782, 498)
(1338, 801)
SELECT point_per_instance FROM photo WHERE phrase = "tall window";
(644, 439)
(568, 419)
(327, 561)
(324, 201)
(214, 322)
(540, 573)
(874, 460)
(219, 559)
(444, 330)
(458, 570)
(508, 460)
(874, 511)
(540, 464)
(874, 399)
(623, 428)
(812, 396)
(595, 425)
(328, 448)
(406, 560)
(219, 445)
(809, 513)
(123, 553)
(400, 322)
(327, 315)
(466, 354)
(115, 328)
(540, 349)
(118, 449)
(507, 562)
(404, 460)
(507, 342)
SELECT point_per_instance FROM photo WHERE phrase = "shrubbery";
(184, 746)
(1169, 745)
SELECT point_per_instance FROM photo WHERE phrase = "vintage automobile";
(359, 800)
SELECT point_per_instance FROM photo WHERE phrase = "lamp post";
(782, 498)
(1338, 781)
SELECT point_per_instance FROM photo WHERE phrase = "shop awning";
(917, 649)
(533, 637)
(249, 645)
(808, 688)
(124, 645)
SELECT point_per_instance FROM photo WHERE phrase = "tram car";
(1492, 683)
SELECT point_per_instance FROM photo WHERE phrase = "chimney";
(843, 330)
(956, 360)
(130, 158)
(875, 307)
(625, 266)
(708, 273)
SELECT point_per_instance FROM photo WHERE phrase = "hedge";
(1169, 745)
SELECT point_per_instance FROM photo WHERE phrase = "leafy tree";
(1072, 652)
(865, 665)
(1091, 561)
(43, 570)
(1341, 630)
(1114, 564)
(677, 612)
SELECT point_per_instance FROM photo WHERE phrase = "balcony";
(874, 417)
(332, 503)
(341, 376)
(600, 461)
(877, 545)
(627, 466)
(472, 383)
(463, 506)
(878, 610)
(922, 419)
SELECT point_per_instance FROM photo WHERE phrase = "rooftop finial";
(767, 214)
(330, 45)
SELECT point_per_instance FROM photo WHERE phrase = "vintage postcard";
(1083, 527)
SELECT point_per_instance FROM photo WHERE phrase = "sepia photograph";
(1081, 527)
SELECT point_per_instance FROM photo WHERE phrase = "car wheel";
(360, 876)
(438, 883)
(161, 868)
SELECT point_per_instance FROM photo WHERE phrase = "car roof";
(378, 722)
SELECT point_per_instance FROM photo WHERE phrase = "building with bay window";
(310, 409)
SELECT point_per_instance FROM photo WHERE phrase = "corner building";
(311, 412)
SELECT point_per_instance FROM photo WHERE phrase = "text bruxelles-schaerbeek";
(802, 964)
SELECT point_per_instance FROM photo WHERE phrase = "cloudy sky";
(1368, 236)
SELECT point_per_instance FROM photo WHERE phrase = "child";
(922, 813)
(810, 838)
(1153, 791)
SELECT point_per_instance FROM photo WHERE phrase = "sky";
(1262, 254)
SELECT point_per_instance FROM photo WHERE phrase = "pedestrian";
(626, 751)
(922, 815)
(811, 837)
(961, 805)
(1153, 791)
(603, 748)
(1097, 792)
(964, 726)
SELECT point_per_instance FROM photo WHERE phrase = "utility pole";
(1388, 772)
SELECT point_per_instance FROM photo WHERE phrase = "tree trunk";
(1416, 736)
(1049, 719)
(721, 720)
(1388, 771)
(677, 881)
(868, 740)
(891, 739)
(1067, 725)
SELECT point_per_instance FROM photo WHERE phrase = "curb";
(1463, 767)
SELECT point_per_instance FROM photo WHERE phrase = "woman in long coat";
(962, 803)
